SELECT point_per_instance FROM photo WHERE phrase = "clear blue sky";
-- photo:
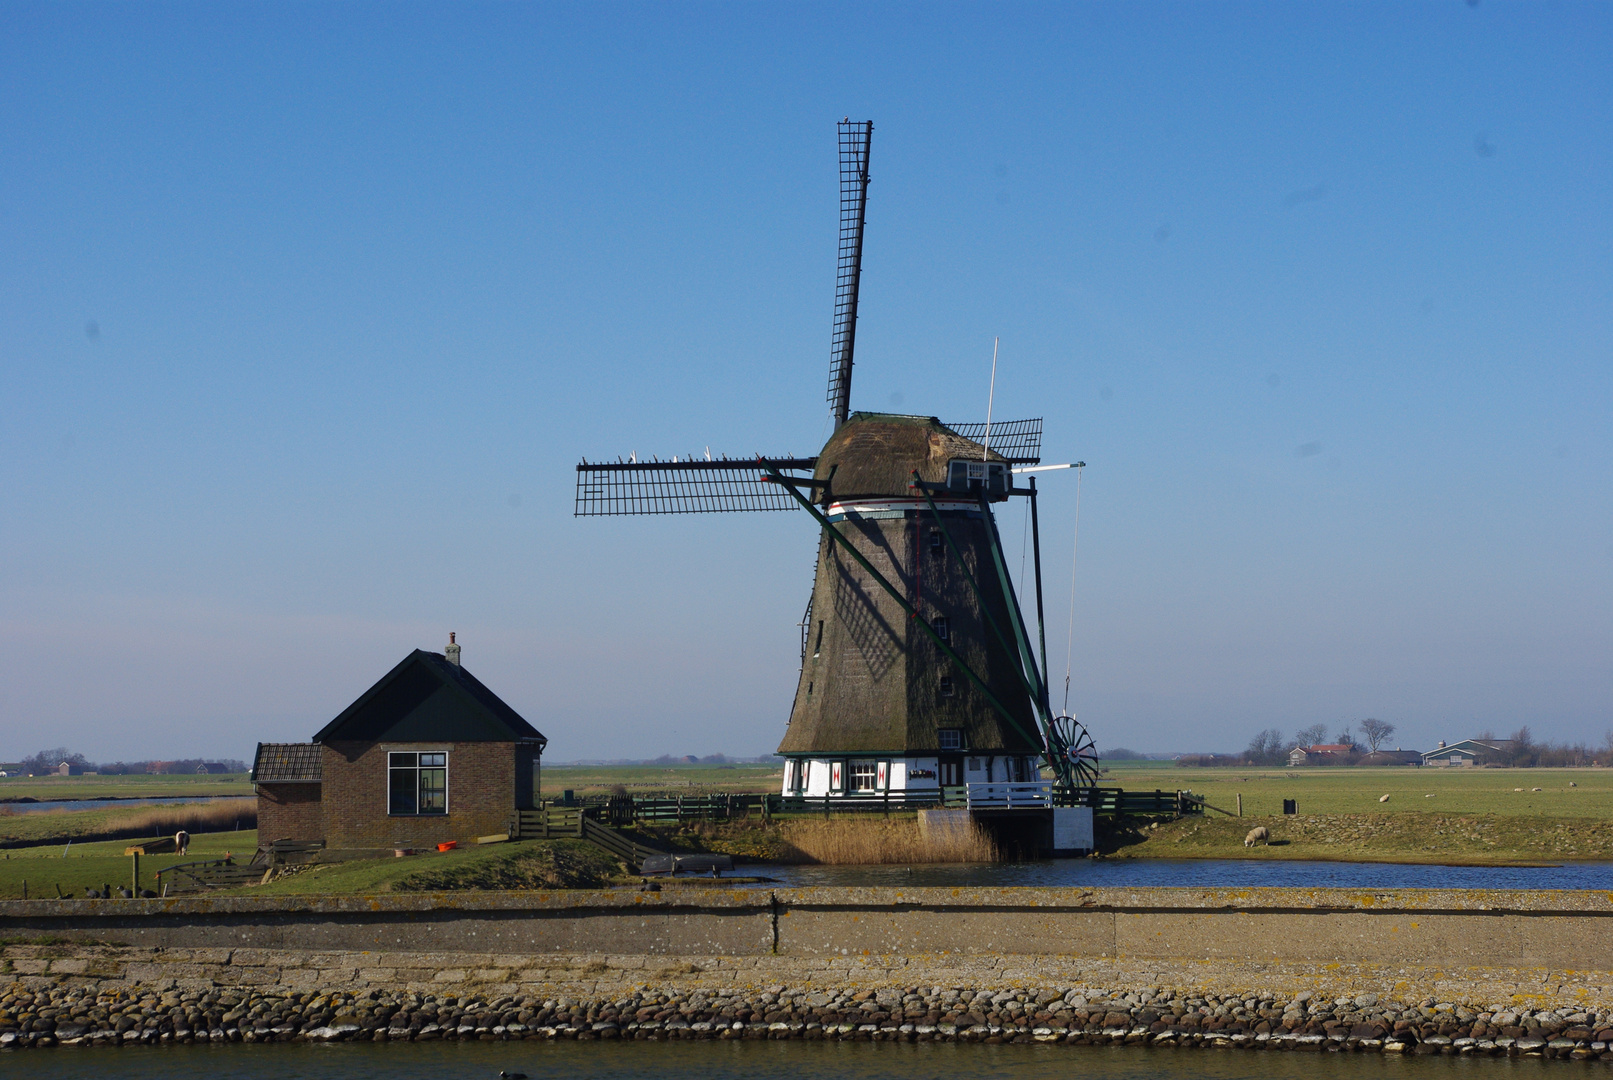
(307, 313)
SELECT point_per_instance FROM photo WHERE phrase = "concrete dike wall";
(1395, 971)
(1419, 927)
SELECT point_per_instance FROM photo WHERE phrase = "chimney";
(452, 651)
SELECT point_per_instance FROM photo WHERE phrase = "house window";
(943, 628)
(417, 783)
(947, 688)
(796, 781)
(864, 776)
(951, 739)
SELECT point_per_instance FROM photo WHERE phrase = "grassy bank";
(18, 829)
(1470, 839)
(530, 864)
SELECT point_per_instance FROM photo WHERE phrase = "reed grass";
(868, 841)
(48, 826)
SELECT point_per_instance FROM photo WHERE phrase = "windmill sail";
(1020, 441)
(607, 489)
(855, 139)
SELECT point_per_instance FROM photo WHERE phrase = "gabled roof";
(1471, 746)
(286, 763)
(1328, 748)
(427, 699)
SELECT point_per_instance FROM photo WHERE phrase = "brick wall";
(481, 795)
(289, 812)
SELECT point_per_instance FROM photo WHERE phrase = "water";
(1131, 873)
(108, 804)
(736, 1061)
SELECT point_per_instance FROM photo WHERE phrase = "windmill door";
(949, 771)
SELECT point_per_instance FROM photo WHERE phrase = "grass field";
(1410, 790)
(122, 787)
(95, 864)
(660, 779)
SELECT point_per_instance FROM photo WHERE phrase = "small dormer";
(970, 476)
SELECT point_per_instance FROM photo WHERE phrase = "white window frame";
(416, 768)
(956, 745)
(863, 771)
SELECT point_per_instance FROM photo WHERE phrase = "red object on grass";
(448, 845)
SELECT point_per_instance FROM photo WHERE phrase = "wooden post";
(134, 876)
(1240, 804)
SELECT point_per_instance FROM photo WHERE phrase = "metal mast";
(855, 138)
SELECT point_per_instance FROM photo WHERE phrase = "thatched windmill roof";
(874, 454)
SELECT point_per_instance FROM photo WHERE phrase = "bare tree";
(1311, 736)
(1376, 731)
(1266, 748)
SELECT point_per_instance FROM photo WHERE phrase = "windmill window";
(973, 475)
(947, 687)
(818, 647)
(943, 628)
(417, 783)
(937, 542)
(951, 739)
(864, 776)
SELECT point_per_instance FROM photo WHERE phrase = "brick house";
(427, 754)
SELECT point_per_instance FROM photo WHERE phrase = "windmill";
(918, 671)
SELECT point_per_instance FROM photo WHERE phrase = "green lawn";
(94, 864)
(125, 787)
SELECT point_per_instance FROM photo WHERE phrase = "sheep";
(1257, 835)
(181, 842)
(1383, 798)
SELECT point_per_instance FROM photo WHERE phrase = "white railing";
(1036, 793)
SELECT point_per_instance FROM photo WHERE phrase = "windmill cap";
(876, 454)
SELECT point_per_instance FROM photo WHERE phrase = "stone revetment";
(1398, 972)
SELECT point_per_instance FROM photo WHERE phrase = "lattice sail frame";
(736, 485)
(727, 485)
(1020, 441)
(856, 137)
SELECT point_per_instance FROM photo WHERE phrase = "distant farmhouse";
(426, 755)
(1323, 754)
(1392, 757)
(1467, 752)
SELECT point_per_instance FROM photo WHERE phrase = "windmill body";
(917, 670)
(879, 707)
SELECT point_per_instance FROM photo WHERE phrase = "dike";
(1400, 971)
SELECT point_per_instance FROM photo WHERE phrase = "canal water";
(739, 1061)
(1203, 873)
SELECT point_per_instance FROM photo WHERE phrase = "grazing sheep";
(1257, 835)
(1383, 798)
(181, 842)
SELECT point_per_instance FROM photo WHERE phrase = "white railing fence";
(1010, 796)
